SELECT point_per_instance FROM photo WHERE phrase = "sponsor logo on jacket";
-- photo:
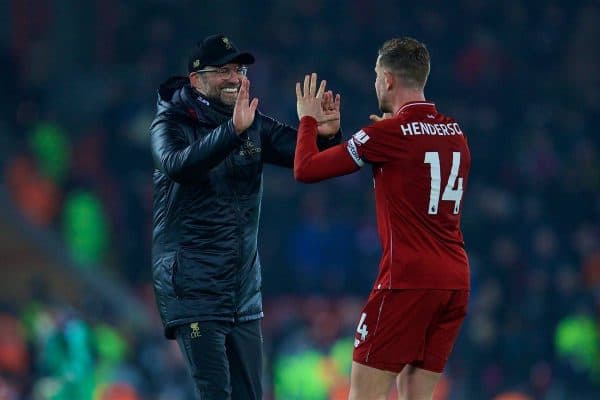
(248, 148)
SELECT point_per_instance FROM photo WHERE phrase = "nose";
(234, 78)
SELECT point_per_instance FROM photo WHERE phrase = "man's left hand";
(331, 112)
(319, 105)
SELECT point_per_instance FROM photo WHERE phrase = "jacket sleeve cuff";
(326, 142)
(236, 139)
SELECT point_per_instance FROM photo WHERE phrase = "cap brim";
(239, 58)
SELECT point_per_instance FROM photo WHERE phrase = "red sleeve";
(310, 165)
(375, 143)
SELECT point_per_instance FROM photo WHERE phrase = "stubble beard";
(383, 107)
(228, 100)
(216, 95)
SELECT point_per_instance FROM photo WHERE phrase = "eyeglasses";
(226, 72)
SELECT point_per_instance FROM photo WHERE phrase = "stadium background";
(78, 79)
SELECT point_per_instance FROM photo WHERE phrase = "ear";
(389, 79)
(195, 81)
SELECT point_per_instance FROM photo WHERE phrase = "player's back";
(420, 162)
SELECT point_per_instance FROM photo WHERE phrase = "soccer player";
(420, 162)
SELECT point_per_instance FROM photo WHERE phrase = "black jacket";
(207, 196)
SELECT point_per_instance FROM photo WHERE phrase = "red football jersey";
(420, 160)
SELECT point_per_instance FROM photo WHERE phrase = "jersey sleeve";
(310, 165)
(368, 145)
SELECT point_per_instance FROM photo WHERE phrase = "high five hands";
(318, 104)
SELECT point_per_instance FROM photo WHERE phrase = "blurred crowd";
(521, 77)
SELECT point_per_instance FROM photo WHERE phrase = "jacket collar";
(206, 111)
(176, 96)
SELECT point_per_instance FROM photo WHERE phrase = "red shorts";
(409, 326)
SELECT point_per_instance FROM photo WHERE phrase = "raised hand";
(308, 101)
(244, 110)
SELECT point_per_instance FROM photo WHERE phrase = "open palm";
(244, 110)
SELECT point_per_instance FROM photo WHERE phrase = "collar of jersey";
(421, 105)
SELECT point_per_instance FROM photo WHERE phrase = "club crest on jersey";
(361, 137)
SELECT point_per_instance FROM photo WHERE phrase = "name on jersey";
(423, 128)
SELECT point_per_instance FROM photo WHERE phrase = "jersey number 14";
(450, 193)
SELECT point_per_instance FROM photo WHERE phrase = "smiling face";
(219, 84)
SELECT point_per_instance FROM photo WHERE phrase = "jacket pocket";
(198, 274)
(162, 272)
(174, 273)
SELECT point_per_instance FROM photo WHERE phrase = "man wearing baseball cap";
(209, 144)
(216, 56)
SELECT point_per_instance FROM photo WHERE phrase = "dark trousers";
(224, 358)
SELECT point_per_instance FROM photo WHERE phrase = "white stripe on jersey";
(351, 147)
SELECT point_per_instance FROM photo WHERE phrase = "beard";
(222, 96)
(384, 107)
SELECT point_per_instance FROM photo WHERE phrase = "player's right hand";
(377, 118)
(244, 110)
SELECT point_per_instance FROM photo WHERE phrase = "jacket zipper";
(238, 213)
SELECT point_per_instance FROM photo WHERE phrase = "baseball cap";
(216, 50)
